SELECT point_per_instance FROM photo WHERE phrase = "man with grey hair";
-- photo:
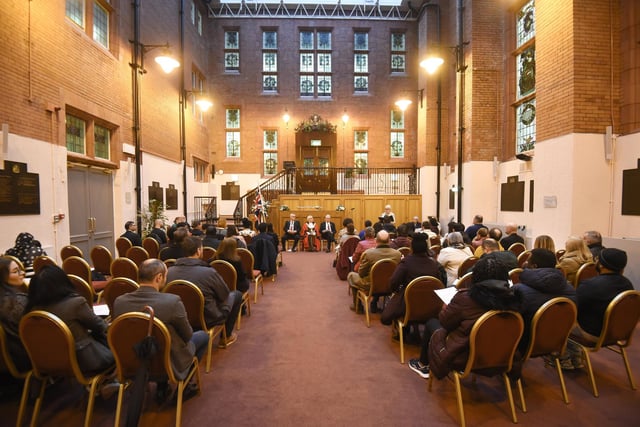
(362, 280)
(593, 239)
(512, 236)
(508, 258)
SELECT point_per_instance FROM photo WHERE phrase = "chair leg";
(456, 379)
(565, 396)
(507, 385)
(209, 350)
(92, 399)
(36, 408)
(23, 399)
(181, 385)
(401, 335)
(119, 405)
(255, 294)
(366, 311)
(585, 354)
(523, 405)
(623, 352)
(430, 382)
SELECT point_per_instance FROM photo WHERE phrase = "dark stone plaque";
(630, 185)
(19, 190)
(156, 193)
(172, 197)
(512, 195)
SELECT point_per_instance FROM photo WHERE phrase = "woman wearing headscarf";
(26, 249)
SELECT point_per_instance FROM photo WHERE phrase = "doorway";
(90, 208)
(315, 157)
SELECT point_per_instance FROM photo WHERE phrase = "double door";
(316, 173)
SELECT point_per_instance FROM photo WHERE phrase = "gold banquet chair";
(230, 277)
(550, 330)
(52, 351)
(248, 261)
(421, 304)
(124, 333)
(193, 301)
(620, 320)
(486, 353)
(380, 276)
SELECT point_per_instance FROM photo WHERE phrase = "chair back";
(6, 362)
(169, 262)
(465, 281)
(193, 301)
(488, 355)
(208, 253)
(523, 257)
(137, 254)
(420, 301)
(70, 250)
(620, 319)
(115, 287)
(122, 246)
(404, 251)
(227, 272)
(83, 289)
(514, 275)
(380, 275)
(50, 345)
(347, 249)
(42, 260)
(152, 246)
(559, 253)
(466, 265)
(517, 248)
(247, 261)
(101, 259)
(435, 250)
(551, 326)
(586, 271)
(77, 266)
(434, 241)
(129, 329)
(124, 267)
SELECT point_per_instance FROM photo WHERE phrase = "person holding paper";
(445, 343)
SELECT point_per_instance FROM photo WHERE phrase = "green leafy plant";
(156, 210)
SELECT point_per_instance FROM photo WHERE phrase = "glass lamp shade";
(204, 104)
(432, 63)
(403, 103)
(167, 62)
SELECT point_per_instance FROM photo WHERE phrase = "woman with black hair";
(13, 300)
(445, 344)
(51, 290)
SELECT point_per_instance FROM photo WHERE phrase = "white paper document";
(101, 309)
(446, 294)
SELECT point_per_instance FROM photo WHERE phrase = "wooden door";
(315, 174)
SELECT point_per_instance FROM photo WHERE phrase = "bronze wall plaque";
(156, 192)
(172, 197)
(19, 190)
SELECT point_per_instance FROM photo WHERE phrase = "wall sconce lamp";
(404, 102)
(345, 118)
(166, 60)
(431, 63)
(201, 99)
(285, 118)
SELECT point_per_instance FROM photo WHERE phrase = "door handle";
(93, 224)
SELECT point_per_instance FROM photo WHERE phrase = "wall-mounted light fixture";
(404, 102)
(345, 118)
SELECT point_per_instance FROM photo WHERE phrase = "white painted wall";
(247, 182)
(50, 163)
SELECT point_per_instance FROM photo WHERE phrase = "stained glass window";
(75, 129)
(269, 61)
(270, 163)
(269, 40)
(361, 161)
(397, 119)
(233, 144)
(526, 126)
(398, 53)
(232, 124)
(231, 51)
(233, 118)
(101, 139)
(397, 145)
(100, 25)
(270, 139)
(525, 69)
(361, 140)
(315, 63)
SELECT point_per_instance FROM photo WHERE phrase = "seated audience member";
(577, 253)
(51, 290)
(445, 342)
(361, 279)
(328, 231)
(232, 231)
(388, 225)
(540, 282)
(343, 230)
(211, 237)
(367, 223)
(247, 228)
(434, 225)
(158, 232)
(309, 235)
(274, 236)
(179, 221)
(292, 229)
(13, 300)
(348, 234)
(403, 240)
(416, 224)
(544, 242)
(481, 234)
(512, 236)
(222, 228)
(508, 258)
(368, 243)
(220, 304)
(452, 256)
(26, 249)
(174, 249)
(228, 251)
(495, 234)
(595, 294)
(185, 343)
(131, 233)
(264, 251)
(472, 230)
(196, 228)
(418, 263)
(593, 239)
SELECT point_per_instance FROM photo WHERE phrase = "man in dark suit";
(328, 231)
(130, 233)
(167, 307)
(291, 231)
(512, 236)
